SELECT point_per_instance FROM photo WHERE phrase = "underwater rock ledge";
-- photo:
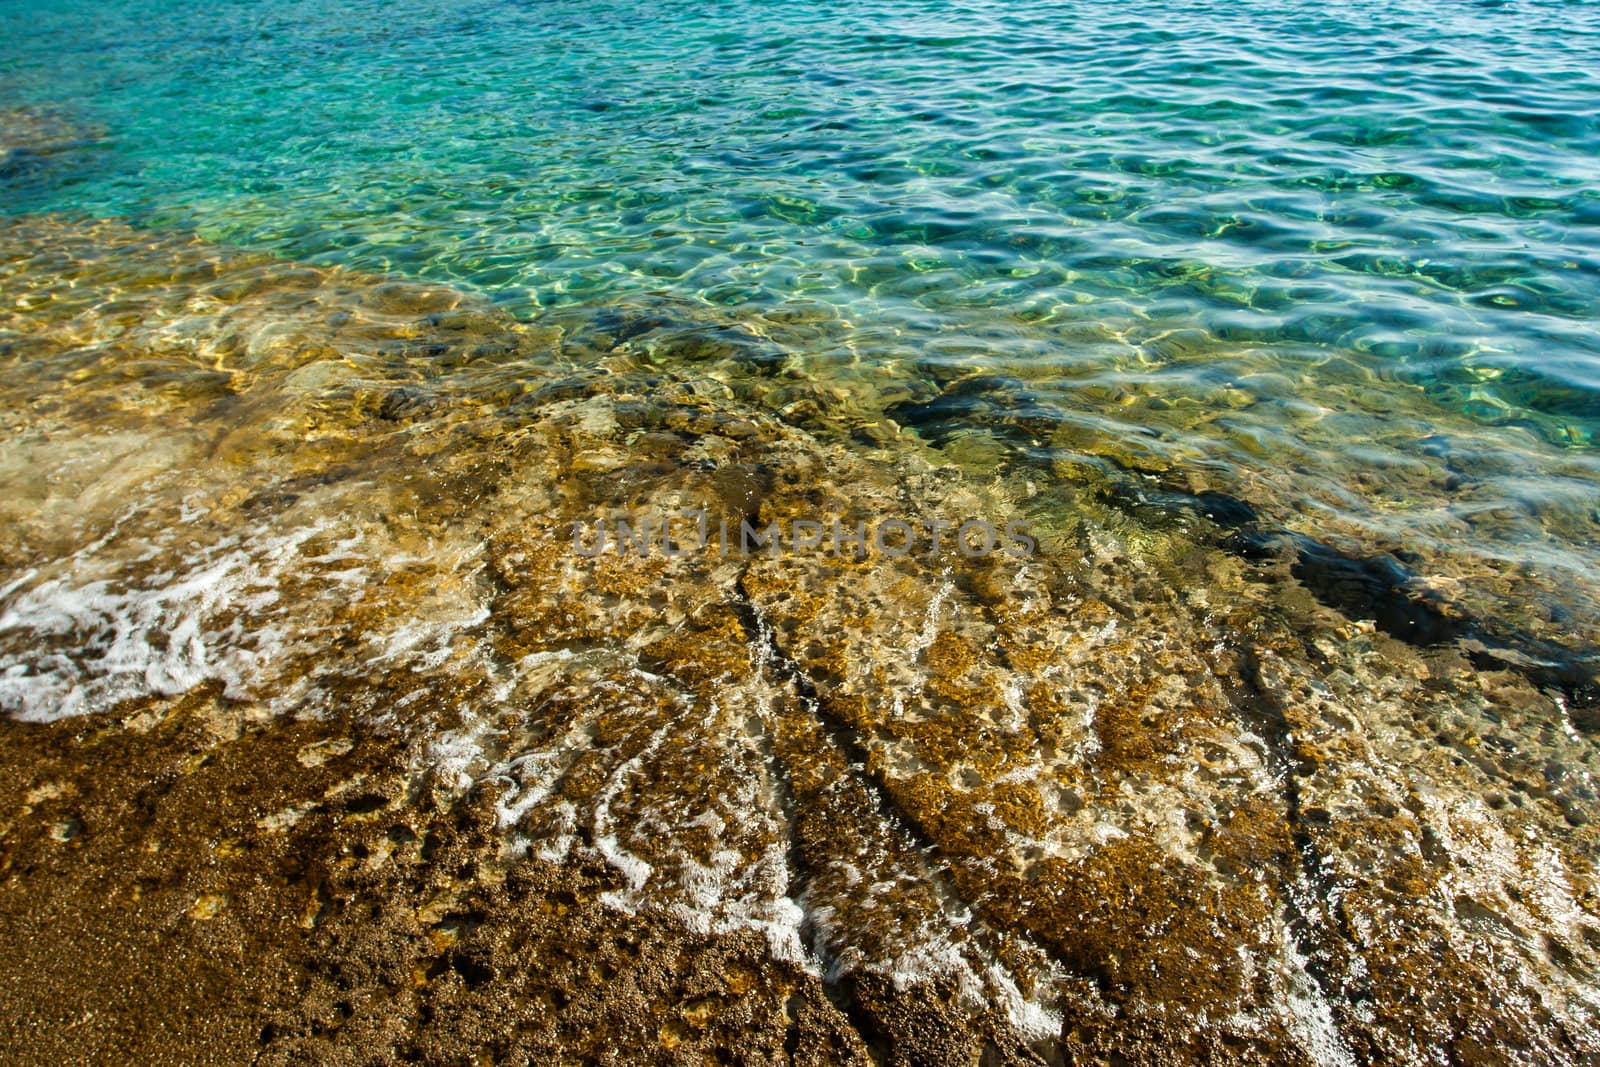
(325, 745)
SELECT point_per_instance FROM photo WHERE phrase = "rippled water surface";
(1351, 250)
(1338, 258)
(1243, 235)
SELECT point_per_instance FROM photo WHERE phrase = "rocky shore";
(324, 744)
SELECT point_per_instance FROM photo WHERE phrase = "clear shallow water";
(1331, 268)
(1343, 256)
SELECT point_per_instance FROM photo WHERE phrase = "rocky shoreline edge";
(325, 746)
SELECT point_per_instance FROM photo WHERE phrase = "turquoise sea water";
(1347, 250)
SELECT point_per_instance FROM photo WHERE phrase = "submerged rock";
(33, 138)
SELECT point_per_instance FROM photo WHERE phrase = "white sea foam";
(121, 637)
(1306, 1013)
(171, 611)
